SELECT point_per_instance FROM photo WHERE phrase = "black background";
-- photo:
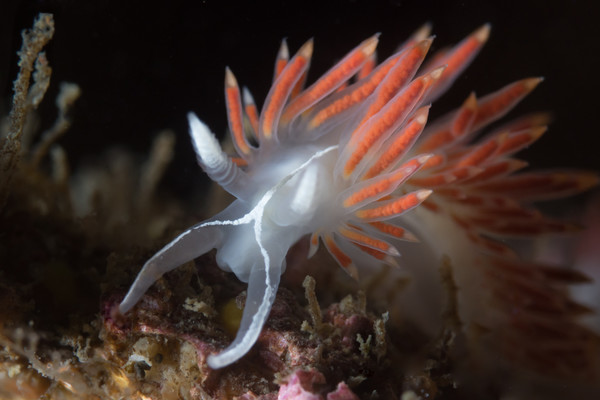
(142, 66)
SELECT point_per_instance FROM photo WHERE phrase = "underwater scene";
(299, 200)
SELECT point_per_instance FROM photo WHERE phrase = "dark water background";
(143, 66)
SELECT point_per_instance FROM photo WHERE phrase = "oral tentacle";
(262, 288)
(189, 245)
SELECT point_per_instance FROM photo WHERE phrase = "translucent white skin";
(279, 201)
(262, 224)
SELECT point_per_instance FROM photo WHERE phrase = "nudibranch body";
(347, 159)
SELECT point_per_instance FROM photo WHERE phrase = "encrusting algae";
(71, 242)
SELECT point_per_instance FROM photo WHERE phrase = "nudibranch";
(348, 160)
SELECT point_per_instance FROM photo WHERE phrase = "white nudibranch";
(347, 159)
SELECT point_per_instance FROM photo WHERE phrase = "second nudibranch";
(345, 159)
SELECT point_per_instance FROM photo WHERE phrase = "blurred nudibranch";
(351, 161)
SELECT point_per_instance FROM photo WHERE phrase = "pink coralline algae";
(302, 385)
(317, 361)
